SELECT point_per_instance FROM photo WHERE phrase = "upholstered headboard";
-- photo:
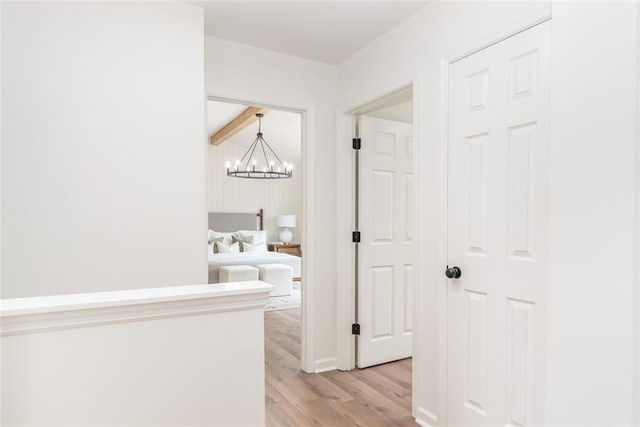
(234, 221)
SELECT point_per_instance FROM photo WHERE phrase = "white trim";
(366, 104)
(635, 416)
(207, 182)
(443, 248)
(39, 314)
(426, 418)
(417, 190)
(309, 194)
(517, 27)
(324, 365)
(345, 260)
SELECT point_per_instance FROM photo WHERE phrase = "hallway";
(376, 396)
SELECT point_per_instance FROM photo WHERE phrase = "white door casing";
(497, 232)
(385, 267)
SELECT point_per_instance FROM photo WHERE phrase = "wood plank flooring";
(376, 396)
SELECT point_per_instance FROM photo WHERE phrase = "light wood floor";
(376, 396)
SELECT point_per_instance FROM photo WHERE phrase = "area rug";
(285, 302)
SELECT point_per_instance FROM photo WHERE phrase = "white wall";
(591, 215)
(148, 357)
(1, 181)
(258, 76)
(103, 147)
(593, 143)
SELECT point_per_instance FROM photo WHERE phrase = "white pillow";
(258, 236)
(226, 237)
(228, 249)
(210, 250)
(248, 247)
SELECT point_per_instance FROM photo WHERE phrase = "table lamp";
(286, 221)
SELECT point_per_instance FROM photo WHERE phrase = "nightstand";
(286, 248)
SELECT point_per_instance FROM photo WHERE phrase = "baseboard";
(324, 365)
(426, 418)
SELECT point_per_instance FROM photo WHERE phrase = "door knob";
(453, 272)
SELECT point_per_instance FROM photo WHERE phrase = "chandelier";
(260, 161)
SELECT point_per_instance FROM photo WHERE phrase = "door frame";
(635, 419)
(346, 296)
(308, 241)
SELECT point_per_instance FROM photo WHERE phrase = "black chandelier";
(248, 167)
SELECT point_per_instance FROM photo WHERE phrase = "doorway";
(284, 202)
(384, 214)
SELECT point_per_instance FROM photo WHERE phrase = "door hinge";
(355, 329)
(355, 237)
(357, 143)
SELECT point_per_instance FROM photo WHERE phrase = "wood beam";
(243, 120)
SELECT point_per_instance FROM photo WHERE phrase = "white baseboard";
(426, 418)
(324, 365)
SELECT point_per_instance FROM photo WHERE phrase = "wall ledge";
(57, 312)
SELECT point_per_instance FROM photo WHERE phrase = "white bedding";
(251, 258)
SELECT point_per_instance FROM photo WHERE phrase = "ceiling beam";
(243, 120)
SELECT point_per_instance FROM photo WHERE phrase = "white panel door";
(385, 267)
(497, 232)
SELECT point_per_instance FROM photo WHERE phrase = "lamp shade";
(286, 220)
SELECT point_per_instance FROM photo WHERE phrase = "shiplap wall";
(277, 196)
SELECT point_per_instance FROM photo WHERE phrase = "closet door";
(497, 232)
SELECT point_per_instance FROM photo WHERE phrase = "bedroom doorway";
(232, 128)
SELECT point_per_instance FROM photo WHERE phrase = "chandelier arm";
(253, 145)
(272, 152)
(264, 153)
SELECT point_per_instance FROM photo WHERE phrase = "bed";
(232, 222)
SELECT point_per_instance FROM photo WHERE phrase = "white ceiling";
(324, 31)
